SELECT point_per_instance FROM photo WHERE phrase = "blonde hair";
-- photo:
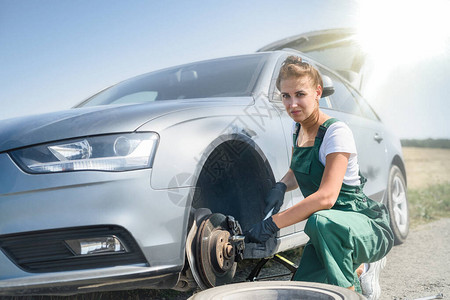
(294, 66)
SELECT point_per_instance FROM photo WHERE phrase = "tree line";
(426, 143)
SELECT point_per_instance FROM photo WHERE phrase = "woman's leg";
(311, 268)
(327, 258)
(339, 242)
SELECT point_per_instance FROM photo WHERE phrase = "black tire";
(277, 290)
(397, 204)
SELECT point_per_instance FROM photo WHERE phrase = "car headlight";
(118, 152)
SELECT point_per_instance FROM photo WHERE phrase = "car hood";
(78, 122)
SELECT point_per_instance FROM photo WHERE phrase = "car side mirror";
(328, 88)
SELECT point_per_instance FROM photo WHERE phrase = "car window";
(139, 97)
(228, 77)
(324, 102)
(366, 110)
(342, 99)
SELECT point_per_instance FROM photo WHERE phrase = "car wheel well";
(234, 181)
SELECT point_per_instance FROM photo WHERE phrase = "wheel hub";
(222, 258)
(400, 205)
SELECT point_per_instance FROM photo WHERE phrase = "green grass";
(429, 203)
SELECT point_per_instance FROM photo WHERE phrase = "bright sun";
(402, 31)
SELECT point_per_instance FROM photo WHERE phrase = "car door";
(348, 106)
(377, 146)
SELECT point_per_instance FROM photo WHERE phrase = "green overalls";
(354, 231)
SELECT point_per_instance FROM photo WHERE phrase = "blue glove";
(262, 231)
(275, 198)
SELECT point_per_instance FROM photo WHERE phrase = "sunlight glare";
(403, 32)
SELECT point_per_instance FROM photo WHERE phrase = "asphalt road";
(420, 267)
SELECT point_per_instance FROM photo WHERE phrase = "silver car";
(151, 182)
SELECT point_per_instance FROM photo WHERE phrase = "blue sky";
(55, 53)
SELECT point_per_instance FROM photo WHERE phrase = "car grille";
(45, 251)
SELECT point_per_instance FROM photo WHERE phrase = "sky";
(56, 53)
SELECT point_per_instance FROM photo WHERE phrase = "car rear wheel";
(397, 204)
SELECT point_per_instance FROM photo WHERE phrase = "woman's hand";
(276, 195)
(261, 232)
(324, 198)
(275, 198)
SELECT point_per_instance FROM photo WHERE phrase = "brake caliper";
(237, 238)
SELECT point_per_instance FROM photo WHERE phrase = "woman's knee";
(317, 222)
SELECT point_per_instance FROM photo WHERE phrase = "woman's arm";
(325, 197)
(290, 181)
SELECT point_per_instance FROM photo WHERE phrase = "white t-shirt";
(339, 138)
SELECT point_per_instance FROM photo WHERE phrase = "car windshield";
(227, 77)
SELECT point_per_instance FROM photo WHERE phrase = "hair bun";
(293, 60)
(294, 66)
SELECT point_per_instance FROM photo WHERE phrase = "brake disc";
(215, 255)
(191, 245)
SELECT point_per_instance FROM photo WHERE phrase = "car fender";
(188, 137)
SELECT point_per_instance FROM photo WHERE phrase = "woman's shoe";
(370, 280)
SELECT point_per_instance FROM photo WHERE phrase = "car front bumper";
(108, 279)
(38, 208)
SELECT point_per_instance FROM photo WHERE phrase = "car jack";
(253, 276)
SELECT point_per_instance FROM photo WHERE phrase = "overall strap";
(320, 133)
(296, 131)
(323, 128)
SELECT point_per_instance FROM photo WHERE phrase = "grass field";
(426, 167)
(428, 172)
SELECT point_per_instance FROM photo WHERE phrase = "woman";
(345, 227)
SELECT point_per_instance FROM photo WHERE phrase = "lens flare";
(400, 32)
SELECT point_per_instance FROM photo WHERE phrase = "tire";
(397, 204)
(277, 290)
